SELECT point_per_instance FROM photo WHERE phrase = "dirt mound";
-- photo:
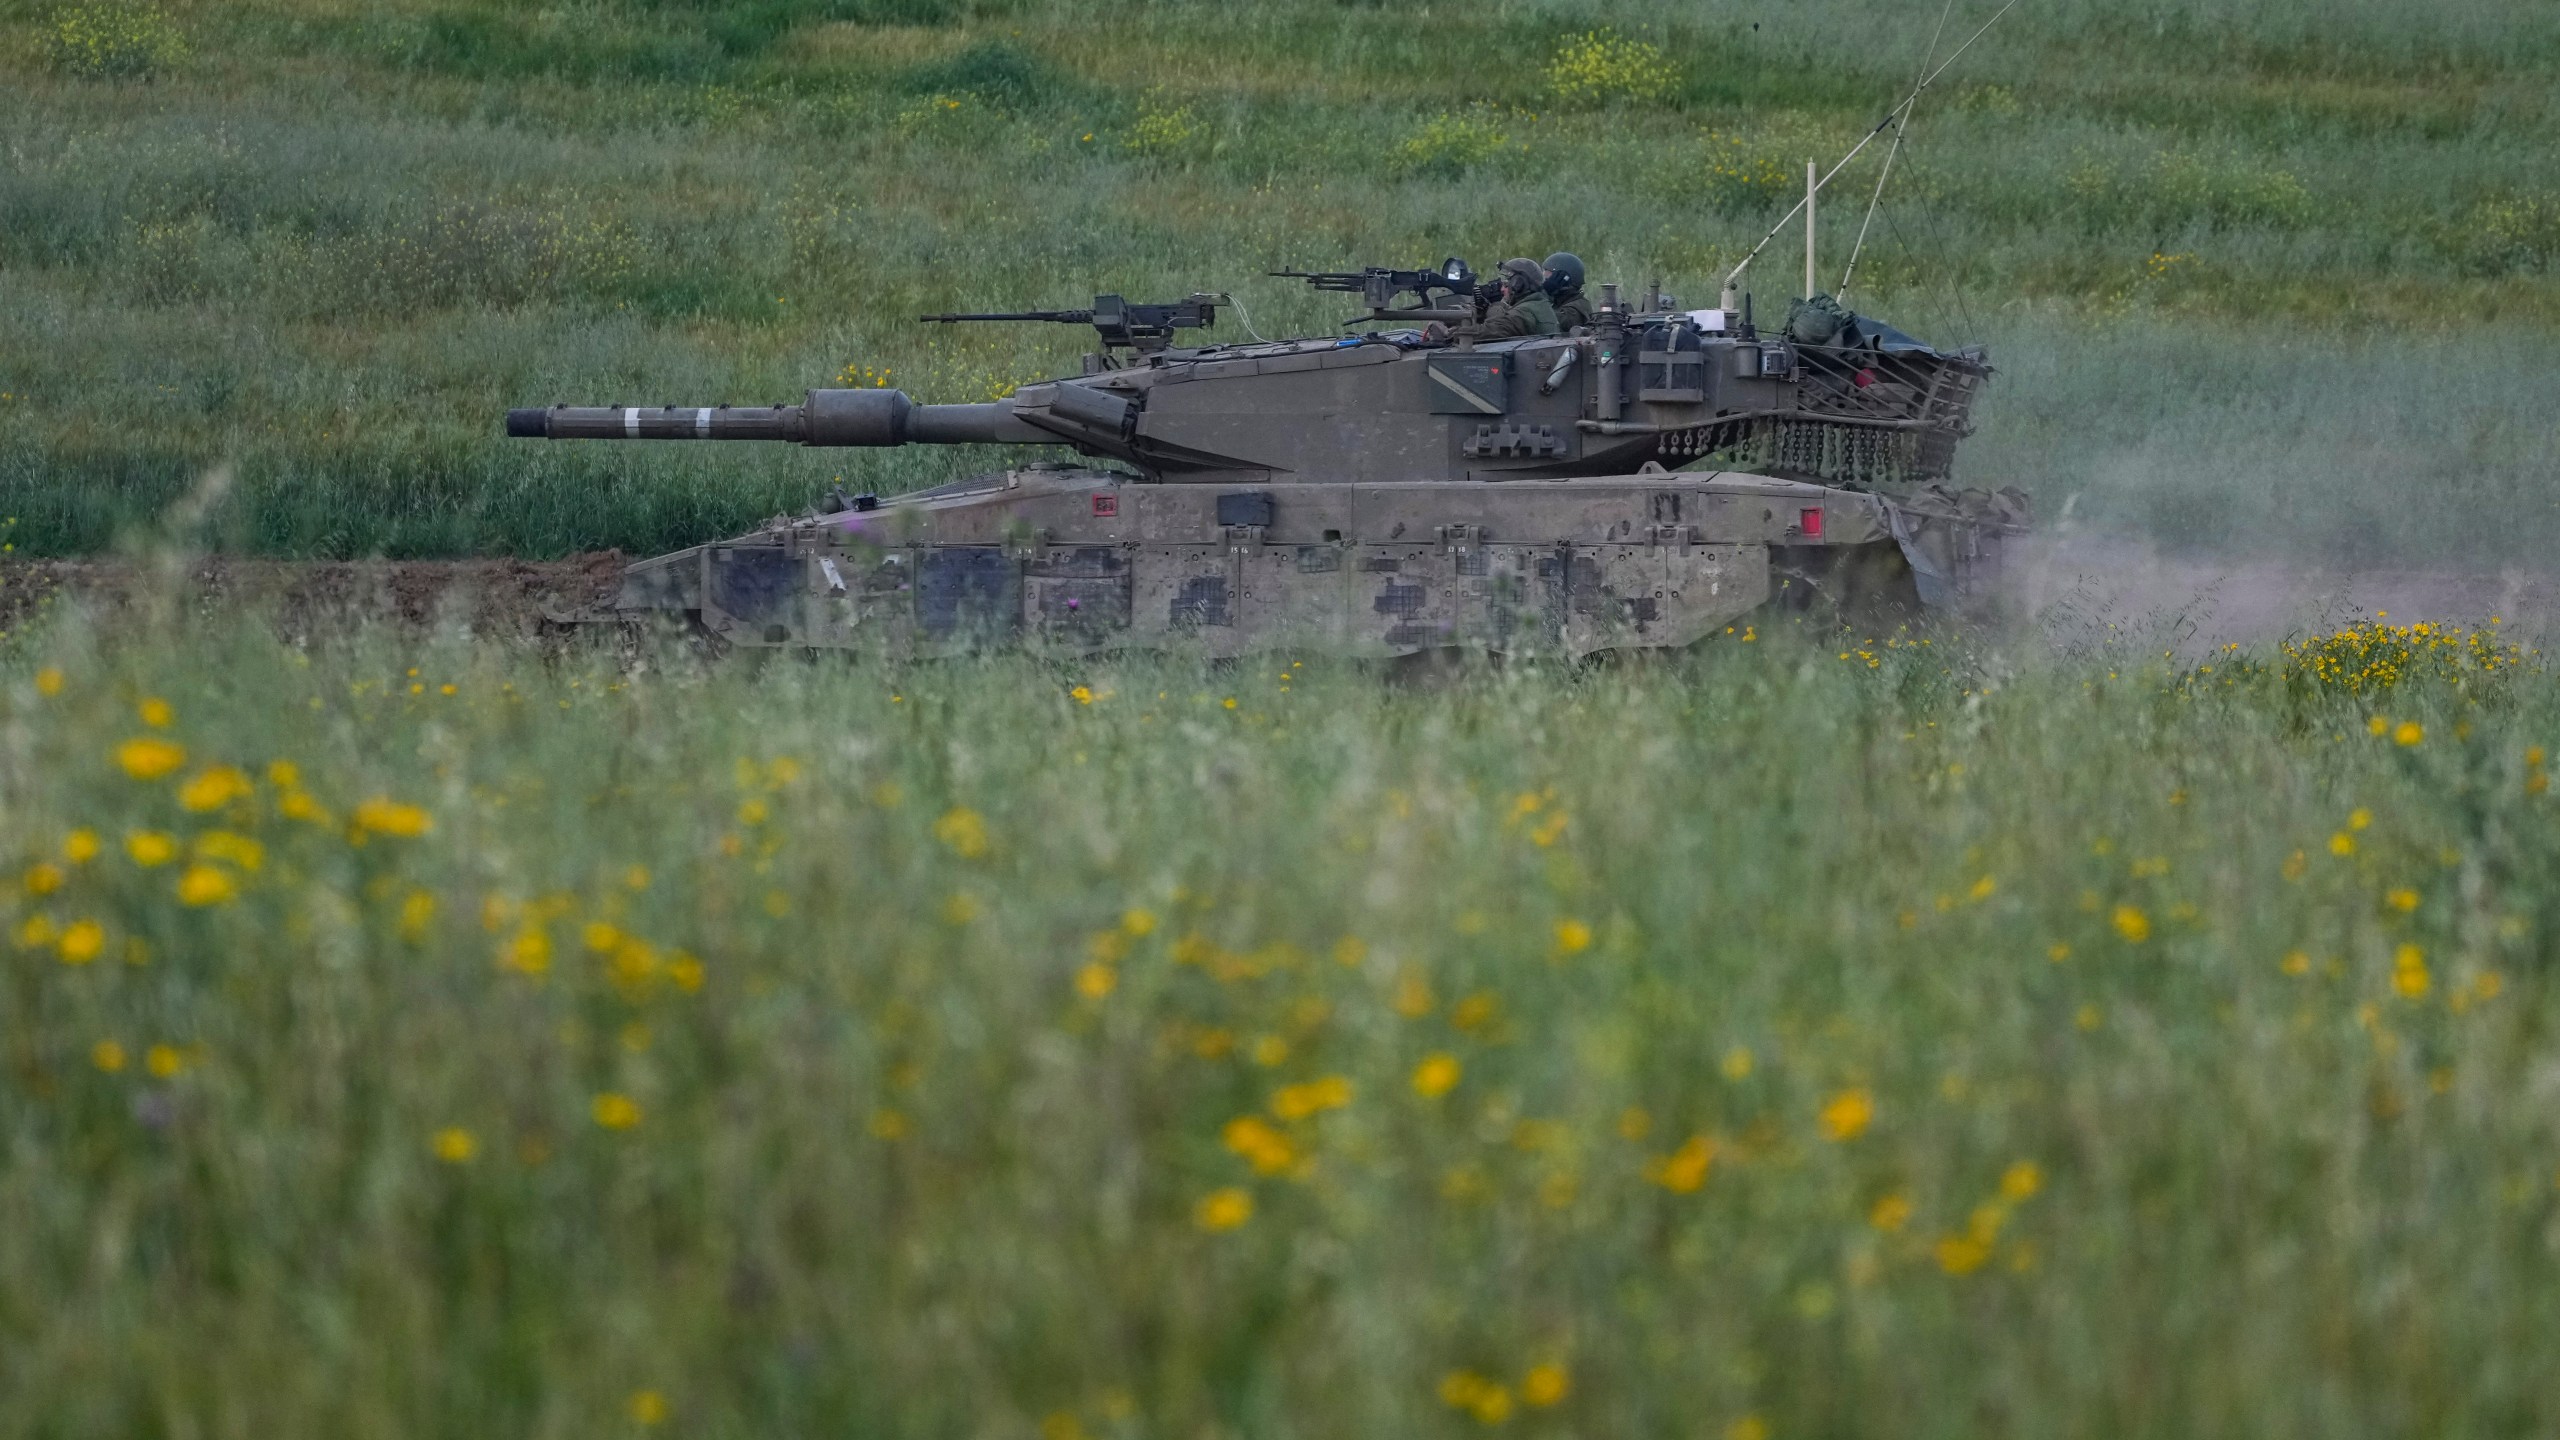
(491, 597)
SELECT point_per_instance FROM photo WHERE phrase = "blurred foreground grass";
(410, 1038)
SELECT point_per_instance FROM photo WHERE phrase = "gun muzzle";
(827, 417)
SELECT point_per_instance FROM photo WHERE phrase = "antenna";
(1901, 133)
(1810, 186)
(1889, 117)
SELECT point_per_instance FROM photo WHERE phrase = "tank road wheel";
(1862, 586)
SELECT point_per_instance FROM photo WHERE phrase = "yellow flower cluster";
(1962, 1252)
(1491, 1401)
(107, 39)
(1603, 67)
(2370, 657)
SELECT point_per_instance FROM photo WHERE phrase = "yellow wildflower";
(43, 878)
(1572, 936)
(163, 1061)
(1437, 1075)
(1261, 1143)
(1096, 980)
(417, 911)
(49, 681)
(528, 951)
(685, 971)
(107, 1055)
(2132, 924)
(156, 713)
(647, 1407)
(381, 815)
(214, 787)
(1684, 1171)
(207, 885)
(81, 941)
(2408, 732)
(1890, 1213)
(963, 831)
(1223, 1209)
(1297, 1102)
(1545, 1385)
(615, 1111)
(2410, 979)
(2021, 1180)
(1962, 1254)
(1737, 1063)
(1458, 1388)
(231, 849)
(80, 846)
(298, 805)
(148, 757)
(455, 1145)
(1846, 1115)
(1749, 1427)
(2401, 898)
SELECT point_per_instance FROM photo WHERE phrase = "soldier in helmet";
(1523, 309)
(1564, 290)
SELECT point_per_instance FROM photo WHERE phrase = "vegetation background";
(2258, 273)
(1964, 1034)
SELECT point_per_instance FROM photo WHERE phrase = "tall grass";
(404, 1038)
(330, 246)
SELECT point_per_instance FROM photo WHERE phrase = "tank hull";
(1076, 559)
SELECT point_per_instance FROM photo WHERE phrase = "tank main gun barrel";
(825, 418)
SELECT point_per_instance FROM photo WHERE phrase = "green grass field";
(403, 1040)
(1944, 1033)
(2248, 260)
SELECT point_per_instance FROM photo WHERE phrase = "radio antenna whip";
(1890, 117)
(1901, 133)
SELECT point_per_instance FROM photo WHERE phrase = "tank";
(1645, 482)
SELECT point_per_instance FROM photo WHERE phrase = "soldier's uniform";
(1524, 308)
(1572, 311)
(1531, 314)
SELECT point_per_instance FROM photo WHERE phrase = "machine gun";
(1121, 325)
(1379, 286)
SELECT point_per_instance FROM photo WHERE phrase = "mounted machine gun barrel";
(1378, 286)
(1122, 325)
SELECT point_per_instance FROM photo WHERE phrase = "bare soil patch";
(490, 597)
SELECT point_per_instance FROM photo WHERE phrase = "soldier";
(1564, 287)
(1522, 310)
